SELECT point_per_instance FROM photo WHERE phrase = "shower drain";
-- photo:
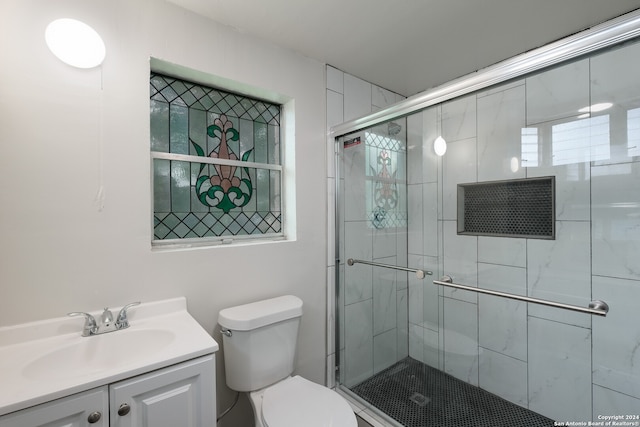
(419, 399)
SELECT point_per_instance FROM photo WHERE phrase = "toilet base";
(297, 401)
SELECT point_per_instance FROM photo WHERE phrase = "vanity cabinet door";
(182, 395)
(89, 408)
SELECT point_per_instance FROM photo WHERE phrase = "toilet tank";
(261, 348)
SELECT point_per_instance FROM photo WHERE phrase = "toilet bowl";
(259, 347)
(296, 401)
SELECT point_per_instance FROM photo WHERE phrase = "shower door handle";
(420, 274)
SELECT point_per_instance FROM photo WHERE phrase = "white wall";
(66, 133)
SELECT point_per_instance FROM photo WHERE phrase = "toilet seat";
(296, 401)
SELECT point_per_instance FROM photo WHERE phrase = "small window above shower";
(512, 208)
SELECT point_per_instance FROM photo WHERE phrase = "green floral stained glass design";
(216, 162)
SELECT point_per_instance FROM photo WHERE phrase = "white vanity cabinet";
(89, 408)
(180, 395)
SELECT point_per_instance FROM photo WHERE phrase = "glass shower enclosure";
(534, 208)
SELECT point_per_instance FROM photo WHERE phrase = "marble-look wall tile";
(331, 221)
(416, 342)
(502, 250)
(459, 166)
(501, 117)
(355, 183)
(559, 370)
(358, 342)
(568, 141)
(461, 340)
(415, 219)
(460, 262)
(616, 338)
(382, 98)
(384, 298)
(502, 323)
(335, 108)
(402, 237)
(415, 136)
(340, 222)
(459, 119)
(358, 241)
(572, 191)
(503, 376)
(614, 79)
(503, 278)
(614, 76)
(334, 116)
(331, 309)
(615, 193)
(416, 293)
(500, 88)
(560, 270)
(384, 242)
(430, 131)
(358, 283)
(610, 402)
(430, 293)
(385, 351)
(335, 79)
(431, 351)
(402, 312)
(558, 93)
(357, 97)
(430, 219)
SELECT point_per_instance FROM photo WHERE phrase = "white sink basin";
(49, 359)
(97, 353)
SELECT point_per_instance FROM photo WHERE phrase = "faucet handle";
(122, 321)
(90, 326)
(107, 317)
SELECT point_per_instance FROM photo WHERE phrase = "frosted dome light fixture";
(440, 146)
(75, 43)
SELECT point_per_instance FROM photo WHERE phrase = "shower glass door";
(373, 228)
(422, 354)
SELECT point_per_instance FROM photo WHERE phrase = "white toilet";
(259, 342)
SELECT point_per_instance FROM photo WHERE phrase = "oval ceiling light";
(440, 146)
(75, 43)
(596, 107)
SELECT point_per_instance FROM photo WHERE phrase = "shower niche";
(509, 208)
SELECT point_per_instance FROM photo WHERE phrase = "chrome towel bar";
(419, 273)
(597, 307)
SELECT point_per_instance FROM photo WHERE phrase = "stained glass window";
(217, 173)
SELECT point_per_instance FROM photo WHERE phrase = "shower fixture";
(393, 128)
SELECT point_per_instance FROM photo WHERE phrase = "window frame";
(280, 168)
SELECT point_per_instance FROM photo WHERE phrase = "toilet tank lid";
(261, 313)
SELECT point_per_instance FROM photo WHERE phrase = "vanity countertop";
(45, 360)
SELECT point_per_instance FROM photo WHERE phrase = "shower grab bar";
(419, 273)
(598, 307)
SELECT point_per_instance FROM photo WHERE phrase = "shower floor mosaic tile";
(417, 395)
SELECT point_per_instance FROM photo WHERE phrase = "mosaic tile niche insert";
(511, 208)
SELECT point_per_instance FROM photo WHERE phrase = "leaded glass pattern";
(216, 162)
(385, 183)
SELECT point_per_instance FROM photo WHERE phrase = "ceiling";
(408, 46)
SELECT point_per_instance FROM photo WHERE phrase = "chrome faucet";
(122, 322)
(91, 327)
